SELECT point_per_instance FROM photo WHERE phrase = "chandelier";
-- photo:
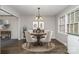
(38, 17)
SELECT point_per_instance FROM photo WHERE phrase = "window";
(69, 24)
(61, 24)
(38, 25)
(41, 25)
(35, 25)
(73, 22)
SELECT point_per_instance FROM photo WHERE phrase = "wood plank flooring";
(17, 49)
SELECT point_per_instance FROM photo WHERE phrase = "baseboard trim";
(14, 39)
(62, 42)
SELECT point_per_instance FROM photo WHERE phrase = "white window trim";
(66, 20)
(59, 20)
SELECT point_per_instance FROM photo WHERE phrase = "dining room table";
(38, 36)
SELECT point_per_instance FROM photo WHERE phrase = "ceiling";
(2, 12)
(45, 10)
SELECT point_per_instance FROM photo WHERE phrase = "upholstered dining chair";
(45, 31)
(47, 38)
(29, 39)
(30, 31)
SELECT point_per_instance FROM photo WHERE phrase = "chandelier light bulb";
(38, 17)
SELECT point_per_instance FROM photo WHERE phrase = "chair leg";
(28, 45)
(48, 44)
(31, 44)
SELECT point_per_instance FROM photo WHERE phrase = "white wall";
(73, 44)
(15, 21)
(28, 22)
(17, 24)
(60, 36)
(13, 25)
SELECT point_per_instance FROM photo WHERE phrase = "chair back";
(46, 31)
(28, 36)
(49, 36)
(30, 31)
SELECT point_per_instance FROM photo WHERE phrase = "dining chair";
(47, 38)
(44, 36)
(29, 39)
(31, 31)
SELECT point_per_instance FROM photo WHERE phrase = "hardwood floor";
(17, 49)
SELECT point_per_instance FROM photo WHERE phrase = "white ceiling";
(3, 13)
(45, 10)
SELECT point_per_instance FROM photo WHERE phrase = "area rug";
(37, 49)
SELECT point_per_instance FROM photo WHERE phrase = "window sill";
(74, 34)
(63, 33)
